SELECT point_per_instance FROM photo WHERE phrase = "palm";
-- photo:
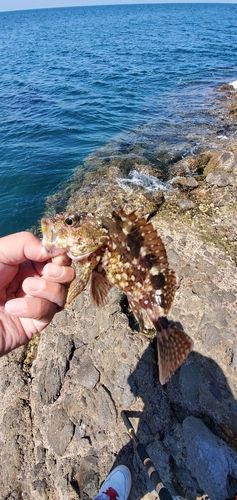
(32, 288)
(15, 331)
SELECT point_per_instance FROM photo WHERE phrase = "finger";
(7, 274)
(59, 260)
(62, 260)
(32, 307)
(61, 274)
(44, 289)
(18, 247)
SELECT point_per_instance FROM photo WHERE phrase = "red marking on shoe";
(111, 493)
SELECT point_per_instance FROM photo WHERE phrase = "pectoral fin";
(100, 288)
(83, 273)
(137, 311)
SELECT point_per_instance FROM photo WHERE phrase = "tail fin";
(174, 345)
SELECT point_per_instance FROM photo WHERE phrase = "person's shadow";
(188, 426)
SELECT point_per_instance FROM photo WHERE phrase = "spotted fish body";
(126, 251)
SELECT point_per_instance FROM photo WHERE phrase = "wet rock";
(109, 190)
(185, 182)
(225, 87)
(180, 168)
(198, 163)
(233, 109)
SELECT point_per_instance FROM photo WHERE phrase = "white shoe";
(118, 484)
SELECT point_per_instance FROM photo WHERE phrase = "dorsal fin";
(142, 238)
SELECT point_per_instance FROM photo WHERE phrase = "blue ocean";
(79, 82)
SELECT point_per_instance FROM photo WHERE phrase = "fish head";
(78, 234)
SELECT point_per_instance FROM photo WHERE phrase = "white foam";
(146, 181)
(234, 84)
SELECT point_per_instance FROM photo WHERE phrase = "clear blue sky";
(38, 4)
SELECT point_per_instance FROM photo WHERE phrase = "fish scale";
(123, 250)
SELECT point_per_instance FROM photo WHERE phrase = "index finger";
(18, 247)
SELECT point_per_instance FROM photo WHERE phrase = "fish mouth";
(79, 257)
(54, 250)
(49, 239)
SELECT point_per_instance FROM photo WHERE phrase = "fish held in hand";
(126, 251)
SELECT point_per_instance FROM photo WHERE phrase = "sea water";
(74, 81)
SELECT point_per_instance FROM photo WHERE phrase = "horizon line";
(118, 3)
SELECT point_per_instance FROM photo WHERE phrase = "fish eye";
(71, 219)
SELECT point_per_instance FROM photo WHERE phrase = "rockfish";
(126, 251)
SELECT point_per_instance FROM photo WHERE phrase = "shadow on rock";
(188, 427)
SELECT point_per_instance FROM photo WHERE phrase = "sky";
(6, 5)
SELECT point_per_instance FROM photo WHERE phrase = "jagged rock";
(185, 182)
(225, 87)
(85, 372)
(233, 109)
(60, 430)
(221, 160)
(220, 178)
(209, 459)
(87, 477)
(186, 204)
(198, 163)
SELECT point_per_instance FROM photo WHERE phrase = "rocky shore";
(61, 431)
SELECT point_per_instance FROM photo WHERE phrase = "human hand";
(32, 288)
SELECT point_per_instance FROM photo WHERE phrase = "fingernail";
(16, 306)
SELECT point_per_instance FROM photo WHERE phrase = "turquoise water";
(76, 79)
